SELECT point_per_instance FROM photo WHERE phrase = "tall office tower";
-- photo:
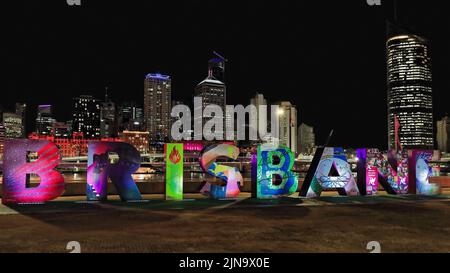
(443, 134)
(211, 91)
(130, 117)
(44, 120)
(21, 110)
(108, 124)
(157, 106)
(13, 125)
(257, 101)
(306, 139)
(86, 117)
(287, 116)
(409, 84)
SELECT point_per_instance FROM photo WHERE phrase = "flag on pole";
(397, 139)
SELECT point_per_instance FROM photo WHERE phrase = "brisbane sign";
(398, 172)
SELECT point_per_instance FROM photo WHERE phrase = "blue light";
(157, 76)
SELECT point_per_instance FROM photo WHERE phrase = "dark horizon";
(328, 63)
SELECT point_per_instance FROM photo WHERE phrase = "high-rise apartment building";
(157, 106)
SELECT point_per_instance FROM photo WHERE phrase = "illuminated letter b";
(270, 163)
(17, 169)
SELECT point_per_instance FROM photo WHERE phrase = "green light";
(174, 171)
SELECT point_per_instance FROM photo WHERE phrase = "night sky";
(326, 57)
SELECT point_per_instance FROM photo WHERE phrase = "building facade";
(157, 106)
(13, 125)
(44, 120)
(211, 91)
(443, 134)
(108, 118)
(130, 117)
(259, 100)
(140, 140)
(73, 146)
(410, 102)
(21, 110)
(287, 116)
(306, 139)
(86, 117)
(62, 130)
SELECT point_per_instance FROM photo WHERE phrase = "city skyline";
(296, 79)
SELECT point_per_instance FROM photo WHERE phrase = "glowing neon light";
(174, 171)
(16, 170)
(157, 76)
(100, 168)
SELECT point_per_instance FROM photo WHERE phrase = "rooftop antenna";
(106, 93)
(220, 56)
(329, 138)
(224, 61)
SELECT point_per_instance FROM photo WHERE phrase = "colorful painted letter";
(420, 172)
(390, 170)
(174, 171)
(16, 171)
(331, 172)
(231, 177)
(100, 168)
(273, 162)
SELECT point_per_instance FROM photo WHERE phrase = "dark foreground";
(331, 224)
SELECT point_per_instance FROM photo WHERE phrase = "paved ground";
(329, 224)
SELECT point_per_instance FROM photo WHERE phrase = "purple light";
(157, 76)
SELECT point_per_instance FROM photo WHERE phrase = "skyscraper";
(157, 106)
(21, 110)
(212, 91)
(108, 125)
(259, 100)
(86, 116)
(306, 139)
(443, 134)
(287, 116)
(44, 120)
(410, 103)
(130, 117)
